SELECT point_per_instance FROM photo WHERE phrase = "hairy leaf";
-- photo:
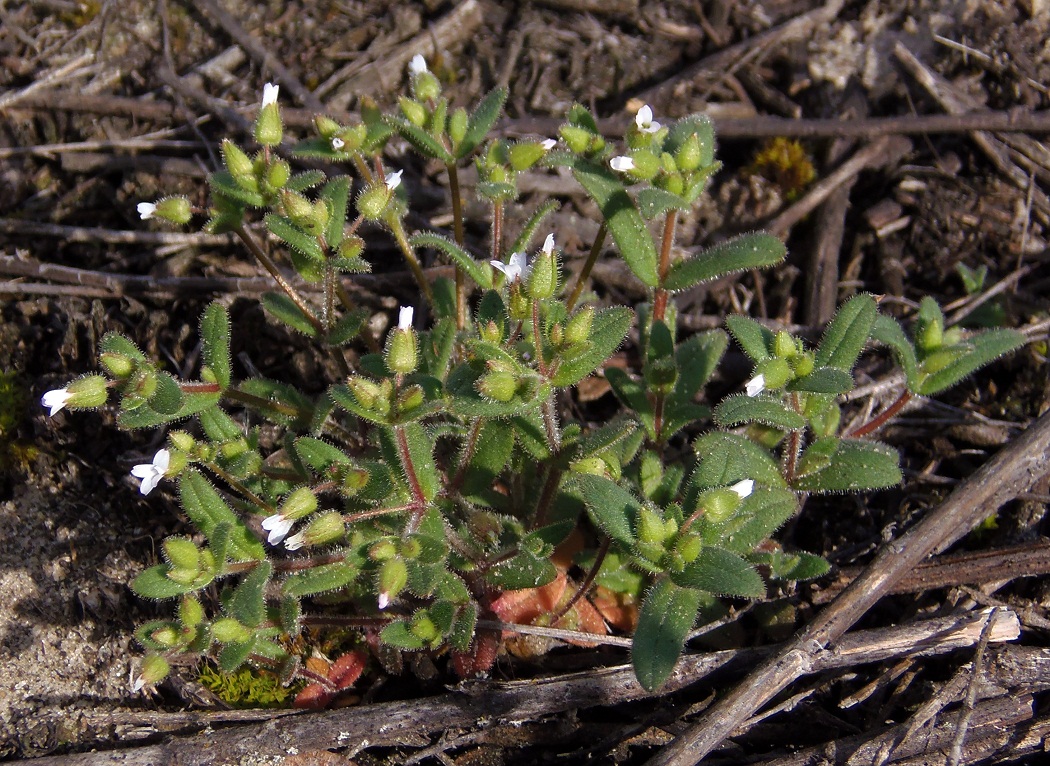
(666, 618)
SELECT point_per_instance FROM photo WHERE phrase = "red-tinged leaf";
(313, 697)
(481, 657)
(347, 669)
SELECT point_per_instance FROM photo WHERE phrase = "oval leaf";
(666, 618)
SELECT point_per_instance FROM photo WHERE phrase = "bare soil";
(80, 80)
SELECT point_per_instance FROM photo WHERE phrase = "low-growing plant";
(441, 473)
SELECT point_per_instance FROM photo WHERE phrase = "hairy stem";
(243, 490)
(883, 417)
(660, 299)
(586, 584)
(420, 504)
(260, 255)
(398, 230)
(457, 228)
(588, 266)
(497, 230)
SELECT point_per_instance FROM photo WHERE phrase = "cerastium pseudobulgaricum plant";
(437, 477)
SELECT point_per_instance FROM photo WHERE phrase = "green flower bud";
(367, 392)
(498, 385)
(543, 278)
(578, 330)
(181, 440)
(165, 636)
(784, 345)
(373, 201)
(457, 125)
(592, 465)
(353, 480)
(302, 502)
(174, 209)
(930, 336)
(576, 138)
(411, 548)
(667, 163)
(117, 365)
(383, 550)
(491, 332)
(414, 111)
(689, 548)
(326, 127)
(720, 504)
(651, 527)
(268, 128)
(524, 156)
(425, 86)
(777, 372)
(89, 391)
(393, 577)
(143, 383)
(424, 628)
(182, 553)
(937, 361)
(557, 334)
(824, 421)
(237, 162)
(401, 351)
(519, 307)
(672, 183)
(410, 398)
(191, 613)
(646, 165)
(327, 528)
(688, 156)
(227, 630)
(802, 364)
(351, 247)
(155, 668)
(278, 173)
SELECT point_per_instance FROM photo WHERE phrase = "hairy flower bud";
(543, 277)
(268, 128)
(498, 385)
(457, 125)
(393, 577)
(414, 111)
(237, 161)
(175, 209)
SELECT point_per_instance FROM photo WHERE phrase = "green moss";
(246, 688)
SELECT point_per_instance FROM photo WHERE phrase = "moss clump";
(246, 688)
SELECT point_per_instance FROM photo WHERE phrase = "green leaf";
(115, 343)
(481, 121)
(611, 507)
(218, 426)
(980, 350)
(147, 417)
(248, 603)
(294, 237)
(347, 328)
(888, 331)
(154, 583)
(760, 514)
(481, 273)
(336, 194)
(167, 399)
(755, 339)
(492, 451)
(319, 579)
(528, 231)
(823, 380)
(847, 333)
(793, 566)
(697, 359)
(666, 618)
(725, 459)
(600, 439)
(767, 410)
(625, 223)
(399, 635)
(319, 455)
(207, 510)
(215, 338)
(307, 179)
(847, 465)
(420, 448)
(747, 251)
(722, 573)
(421, 140)
(702, 126)
(222, 183)
(653, 202)
(632, 394)
(281, 307)
(466, 402)
(232, 656)
(608, 331)
(525, 570)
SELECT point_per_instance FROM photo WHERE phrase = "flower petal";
(270, 91)
(393, 180)
(404, 318)
(55, 400)
(744, 488)
(146, 210)
(621, 164)
(756, 385)
(417, 65)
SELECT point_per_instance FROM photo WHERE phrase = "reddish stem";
(586, 584)
(883, 417)
(660, 299)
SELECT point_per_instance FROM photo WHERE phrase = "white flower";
(404, 318)
(384, 600)
(644, 120)
(756, 385)
(295, 542)
(743, 488)
(278, 526)
(270, 93)
(548, 244)
(152, 473)
(621, 164)
(337, 143)
(417, 65)
(514, 270)
(56, 400)
(548, 144)
(393, 180)
(146, 210)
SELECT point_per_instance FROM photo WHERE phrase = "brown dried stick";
(389, 724)
(1010, 472)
